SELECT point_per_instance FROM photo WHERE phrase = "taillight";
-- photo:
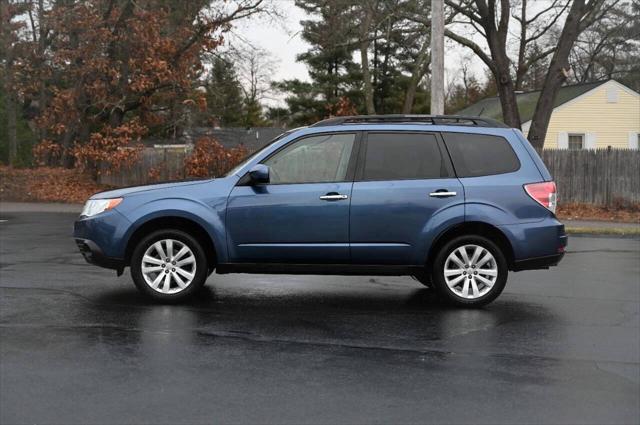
(543, 193)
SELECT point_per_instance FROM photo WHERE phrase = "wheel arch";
(473, 228)
(173, 222)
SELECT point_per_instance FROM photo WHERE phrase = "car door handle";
(333, 197)
(442, 194)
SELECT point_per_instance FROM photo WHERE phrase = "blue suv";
(455, 202)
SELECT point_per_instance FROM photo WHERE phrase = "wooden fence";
(602, 177)
(155, 165)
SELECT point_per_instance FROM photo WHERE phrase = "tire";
(479, 282)
(424, 278)
(189, 266)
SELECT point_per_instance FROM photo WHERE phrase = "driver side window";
(316, 159)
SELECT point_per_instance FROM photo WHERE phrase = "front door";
(402, 181)
(302, 215)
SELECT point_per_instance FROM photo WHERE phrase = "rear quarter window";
(475, 155)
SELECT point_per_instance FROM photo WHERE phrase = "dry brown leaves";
(598, 213)
(46, 184)
(211, 159)
(342, 108)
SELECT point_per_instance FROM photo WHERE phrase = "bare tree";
(581, 15)
(491, 20)
(255, 69)
(536, 33)
(481, 16)
(417, 72)
(611, 48)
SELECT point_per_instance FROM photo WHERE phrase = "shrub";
(211, 159)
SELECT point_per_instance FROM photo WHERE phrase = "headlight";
(96, 206)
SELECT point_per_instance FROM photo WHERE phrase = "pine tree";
(224, 94)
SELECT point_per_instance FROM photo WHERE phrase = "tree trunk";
(416, 74)
(506, 93)
(366, 76)
(364, 58)
(10, 108)
(496, 38)
(521, 70)
(556, 75)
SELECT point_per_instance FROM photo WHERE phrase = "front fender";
(209, 218)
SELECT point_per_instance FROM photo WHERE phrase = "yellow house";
(585, 116)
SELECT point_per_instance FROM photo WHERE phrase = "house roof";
(490, 106)
(252, 138)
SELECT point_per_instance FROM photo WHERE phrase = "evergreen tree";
(390, 40)
(330, 58)
(224, 97)
(253, 116)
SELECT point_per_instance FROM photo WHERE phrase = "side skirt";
(319, 269)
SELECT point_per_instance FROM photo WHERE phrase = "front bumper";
(101, 238)
(94, 255)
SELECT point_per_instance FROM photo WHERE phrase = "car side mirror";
(259, 174)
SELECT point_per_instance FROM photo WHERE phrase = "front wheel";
(169, 265)
(470, 271)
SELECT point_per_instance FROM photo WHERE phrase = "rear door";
(402, 180)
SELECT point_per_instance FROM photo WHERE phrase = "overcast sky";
(280, 37)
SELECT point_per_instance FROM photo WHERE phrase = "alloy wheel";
(470, 271)
(168, 266)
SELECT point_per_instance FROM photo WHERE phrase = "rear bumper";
(538, 245)
(538, 262)
(94, 255)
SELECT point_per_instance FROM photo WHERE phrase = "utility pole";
(437, 57)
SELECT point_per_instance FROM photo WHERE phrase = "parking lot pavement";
(79, 345)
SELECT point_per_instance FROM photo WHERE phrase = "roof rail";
(412, 119)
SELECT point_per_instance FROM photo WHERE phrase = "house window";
(612, 95)
(576, 141)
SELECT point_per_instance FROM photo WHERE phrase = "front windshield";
(256, 153)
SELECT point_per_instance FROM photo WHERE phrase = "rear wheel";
(470, 271)
(169, 265)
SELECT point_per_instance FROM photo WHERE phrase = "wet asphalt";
(78, 345)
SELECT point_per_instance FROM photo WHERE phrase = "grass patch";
(616, 231)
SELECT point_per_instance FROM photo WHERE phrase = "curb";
(620, 232)
(42, 207)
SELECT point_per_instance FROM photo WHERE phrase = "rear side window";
(476, 155)
(402, 156)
